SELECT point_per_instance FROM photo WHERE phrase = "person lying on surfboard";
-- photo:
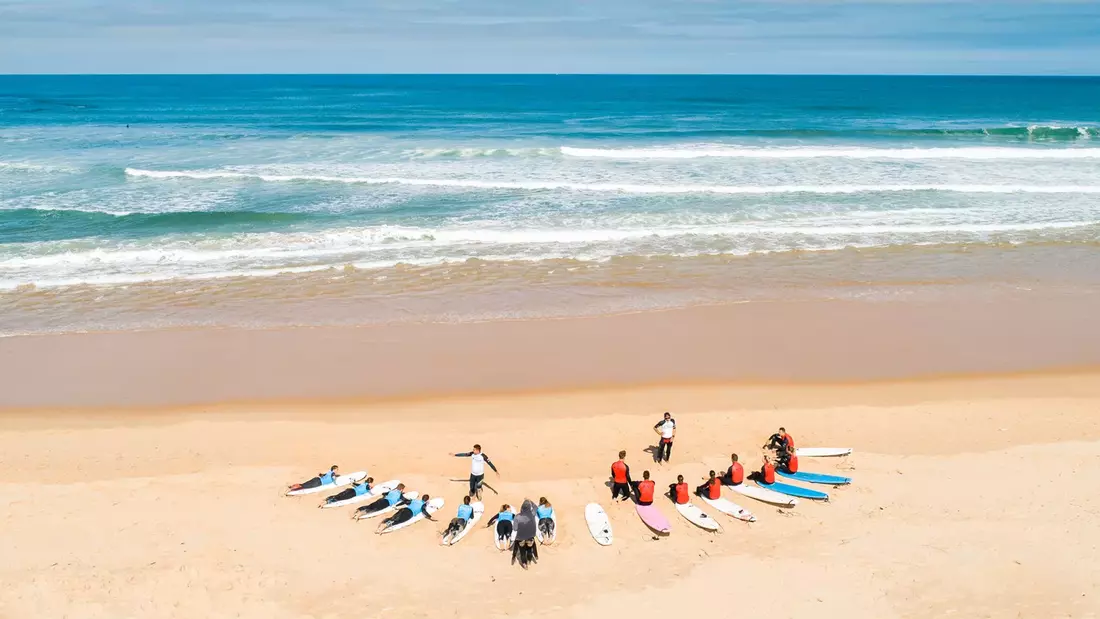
(405, 514)
(321, 479)
(711, 488)
(644, 489)
(504, 522)
(393, 498)
(478, 460)
(465, 512)
(678, 491)
(780, 441)
(545, 512)
(356, 489)
(735, 475)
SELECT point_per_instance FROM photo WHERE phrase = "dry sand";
(973, 497)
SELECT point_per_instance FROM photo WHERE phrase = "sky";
(1033, 37)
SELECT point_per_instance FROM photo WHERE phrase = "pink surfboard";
(653, 518)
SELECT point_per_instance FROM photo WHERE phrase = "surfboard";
(479, 510)
(653, 518)
(797, 491)
(502, 544)
(764, 495)
(433, 506)
(375, 492)
(816, 478)
(598, 524)
(409, 495)
(822, 452)
(341, 480)
(697, 517)
(729, 508)
(553, 536)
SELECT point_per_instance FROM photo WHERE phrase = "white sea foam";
(801, 152)
(628, 188)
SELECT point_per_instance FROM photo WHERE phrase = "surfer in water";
(679, 492)
(478, 460)
(645, 489)
(524, 549)
(321, 479)
(735, 475)
(405, 514)
(393, 498)
(356, 489)
(545, 512)
(620, 478)
(780, 441)
(666, 428)
(504, 521)
(711, 488)
(465, 512)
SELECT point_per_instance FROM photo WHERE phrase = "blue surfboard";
(797, 491)
(816, 478)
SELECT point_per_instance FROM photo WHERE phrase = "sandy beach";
(973, 497)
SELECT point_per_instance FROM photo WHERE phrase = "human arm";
(490, 463)
(491, 521)
(465, 454)
(628, 474)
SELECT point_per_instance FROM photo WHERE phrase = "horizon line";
(562, 74)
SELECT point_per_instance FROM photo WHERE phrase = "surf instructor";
(478, 460)
(666, 428)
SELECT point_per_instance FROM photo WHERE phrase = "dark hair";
(680, 478)
(668, 413)
(712, 473)
(425, 498)
(370, 480)
(477, 447)
(466, 500)
(333, 467)
(504, 507)
(782, 429)
(645, 474)
(542, 500)
(622, 454)
(734, 456)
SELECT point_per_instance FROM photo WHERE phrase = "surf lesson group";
(522, 530)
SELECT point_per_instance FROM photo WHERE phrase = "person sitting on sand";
(766, 474)
(780, 441)
(787, 460)
(322, 479)
(405, 514)
(356, 489)
(620, 478)
(679, 492)
(393, 498)
(465, 512)
(712, 488)
(645, 489)
(735, 475)
(525, 550)
(478, 460)
(545, 512)
(504, 521)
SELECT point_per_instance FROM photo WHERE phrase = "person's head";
(425, 498)
(712, 474)
(543, 501)
(504, 508)
(370, 480)
(645, 474)
(477, 449)
(668, 415)
(733, 457)
(333, 468)
(679, 479)
(622, 454)
(401, 487)
(782, 431)
(465, 500)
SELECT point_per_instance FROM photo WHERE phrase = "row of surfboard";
(599, 525)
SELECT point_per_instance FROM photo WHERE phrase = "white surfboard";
(341, 480)
(502, 544)
(730, 508)
(765, 495)
(375, 492)
(479, 510)
(598, 524)
(823, 452)
(433, 506)
(553, 536)
(697, 517)
(410, 495)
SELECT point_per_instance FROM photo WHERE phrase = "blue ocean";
(155, 195)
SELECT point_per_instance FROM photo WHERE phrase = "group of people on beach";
(518, 529)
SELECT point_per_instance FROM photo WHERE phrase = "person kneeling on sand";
(321, 479)
(787, 460)
(356, 489)
(525, 550)
(545, 512)
(504, 521)
(735, 475)
(645, 489)
(465, 512)
(679, 492)
(712, 488)
(393, 498)
(405, 514)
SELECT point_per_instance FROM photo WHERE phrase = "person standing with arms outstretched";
(620, 478)
(478, 460)
(666, 428)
